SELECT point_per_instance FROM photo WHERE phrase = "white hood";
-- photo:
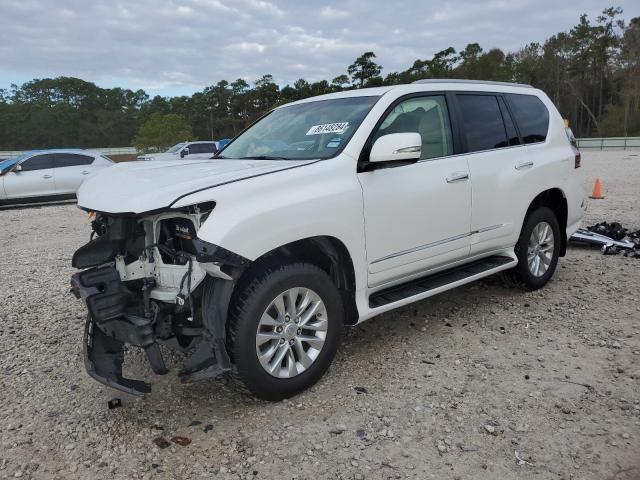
(139, 187)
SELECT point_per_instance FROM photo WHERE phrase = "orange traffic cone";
(597, 193)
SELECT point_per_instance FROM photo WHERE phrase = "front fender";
(257, 215)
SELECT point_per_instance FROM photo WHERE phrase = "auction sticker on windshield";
(337, 128)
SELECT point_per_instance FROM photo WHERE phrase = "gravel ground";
(481, 382)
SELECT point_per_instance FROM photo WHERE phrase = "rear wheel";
(537, 250)
(284, 329)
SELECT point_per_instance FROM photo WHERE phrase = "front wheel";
(537, 250)
(284, 329)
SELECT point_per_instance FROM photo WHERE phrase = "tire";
(255, 309)
(524, 275)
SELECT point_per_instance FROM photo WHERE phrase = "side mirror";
(184, 152)
(17, 168)
(396, 146)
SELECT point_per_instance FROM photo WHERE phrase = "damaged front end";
(147, 280)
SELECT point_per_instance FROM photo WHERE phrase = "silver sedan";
(45, 175)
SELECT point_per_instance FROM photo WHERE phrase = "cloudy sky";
(173, 47)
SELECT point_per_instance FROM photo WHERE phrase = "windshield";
(313, 130)
(175, 148)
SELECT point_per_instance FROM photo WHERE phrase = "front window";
(176, 148)
(426, 115)
(312, 130)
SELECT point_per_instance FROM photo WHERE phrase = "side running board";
(424, 285)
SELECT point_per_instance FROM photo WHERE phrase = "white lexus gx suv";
(325, 212)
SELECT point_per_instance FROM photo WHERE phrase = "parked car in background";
(186, 150)
(223, 143)
(44, 175)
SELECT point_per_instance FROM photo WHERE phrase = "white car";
(185, 150)
(325, 212)
(44, 175)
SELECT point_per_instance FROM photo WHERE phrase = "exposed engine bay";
(149, 280)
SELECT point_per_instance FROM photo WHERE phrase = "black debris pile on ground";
(612, 238)
(612, 230)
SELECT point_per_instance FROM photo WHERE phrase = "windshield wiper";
(264, 157)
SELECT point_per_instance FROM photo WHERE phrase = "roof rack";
(481, 82)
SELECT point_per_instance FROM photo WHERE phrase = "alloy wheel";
(291, 332)
(540, 249)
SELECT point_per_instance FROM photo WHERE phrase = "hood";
(138, 187)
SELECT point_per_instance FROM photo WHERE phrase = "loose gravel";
(481, 382)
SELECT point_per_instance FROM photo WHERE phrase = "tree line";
(591, 72)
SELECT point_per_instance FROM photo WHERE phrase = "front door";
(417, 216)
(35, 179)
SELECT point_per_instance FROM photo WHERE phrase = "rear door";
(499, 169)
(70, 170)
(35, 179)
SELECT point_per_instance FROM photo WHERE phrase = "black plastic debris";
(612, 238)
(361, 390)
(161, 442)
(182, 441)
(207, 428)
(612, 230)
(114, 403)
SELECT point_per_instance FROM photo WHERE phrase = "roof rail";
(480, 82)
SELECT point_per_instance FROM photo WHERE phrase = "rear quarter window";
(531, 116)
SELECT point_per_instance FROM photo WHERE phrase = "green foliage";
(591, 73)
(364, 71)
(161, 131)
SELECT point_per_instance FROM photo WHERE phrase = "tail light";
(577, 159)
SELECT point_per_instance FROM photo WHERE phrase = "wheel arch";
(326, 252)
(556, 200)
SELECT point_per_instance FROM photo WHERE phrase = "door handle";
(47, 176)
(523, 165)
(85, 172)
(457, 177)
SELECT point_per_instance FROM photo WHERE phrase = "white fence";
(610, 143)
(104, 151)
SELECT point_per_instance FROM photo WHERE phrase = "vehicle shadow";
(27, 206)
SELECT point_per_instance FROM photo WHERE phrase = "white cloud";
(245, 47)
(265, 6)
(334, 13)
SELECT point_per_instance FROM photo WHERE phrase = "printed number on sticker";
(328, 128)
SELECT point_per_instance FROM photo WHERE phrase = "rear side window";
(531, 116)
(71, 160)
(482, 120)
(202, 148)
(39, 162)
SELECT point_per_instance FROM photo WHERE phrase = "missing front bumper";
(111, 326)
